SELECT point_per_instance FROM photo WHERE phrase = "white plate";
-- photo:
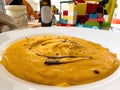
(105, 38)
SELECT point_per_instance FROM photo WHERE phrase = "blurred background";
(97, 14)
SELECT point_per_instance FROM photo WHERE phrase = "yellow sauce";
(59, 60)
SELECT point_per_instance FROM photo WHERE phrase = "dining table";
(107, 38)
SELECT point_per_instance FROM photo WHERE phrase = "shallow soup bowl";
(107, 39)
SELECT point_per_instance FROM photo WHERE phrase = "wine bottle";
(46, 13)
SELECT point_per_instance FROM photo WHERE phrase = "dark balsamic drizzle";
(96, 72)
(43, 44)
(65, 40)
(30, 48)
(57, 54)
(24, 44)
(73, 42)
(54, 61)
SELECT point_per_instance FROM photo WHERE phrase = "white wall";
(57, 2)
(117, 10)
(35, 3)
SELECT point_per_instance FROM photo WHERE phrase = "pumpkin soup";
(59, 60)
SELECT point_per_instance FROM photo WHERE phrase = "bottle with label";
(46, 13)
